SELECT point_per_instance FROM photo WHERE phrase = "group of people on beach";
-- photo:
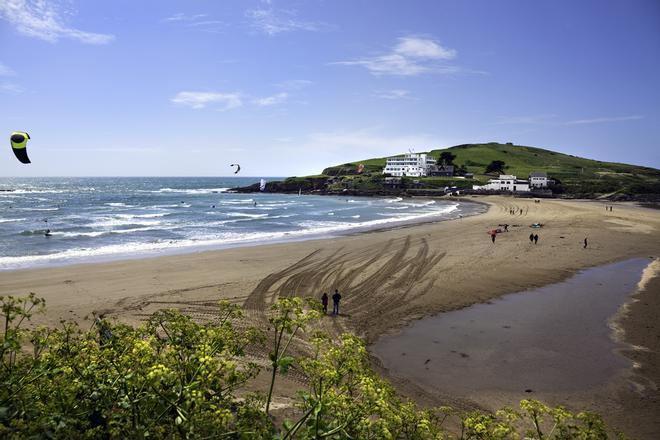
(608, 208)
(336, 297)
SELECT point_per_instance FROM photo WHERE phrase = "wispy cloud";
(5, 70)
(272, 22)
(411, 56)
(551, 119)
(606, 119)
(271, 100)
(198, 100)
(43, 19)
(197, 21)
(10, 88)
(295, 84)
(526, 119)
(393, 94)
(370, 140)
(184, 17)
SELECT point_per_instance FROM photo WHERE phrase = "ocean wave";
(7, 220)
(236, 201)
(38, 209)
(111, 222)
(190, 191)
(245, 214)
(398, 199)
(119, 205)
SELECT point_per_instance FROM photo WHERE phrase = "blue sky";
(162, 87)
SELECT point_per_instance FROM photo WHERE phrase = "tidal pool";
(552, 339)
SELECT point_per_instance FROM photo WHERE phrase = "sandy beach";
(387, 278)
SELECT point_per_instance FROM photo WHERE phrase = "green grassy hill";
(578, 176)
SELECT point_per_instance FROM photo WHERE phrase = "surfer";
(47, 233)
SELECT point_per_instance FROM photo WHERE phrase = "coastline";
(387, 277)
(465, 208)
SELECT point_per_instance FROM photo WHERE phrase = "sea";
(101, 219)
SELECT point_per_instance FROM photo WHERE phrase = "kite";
(238, 167)
(19, 141)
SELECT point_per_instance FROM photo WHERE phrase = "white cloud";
(423, 48)
(606, 119)
(271, 100)
(411, 56)
(43, 19)
(197, 100)
(271, 22)
(393, 94)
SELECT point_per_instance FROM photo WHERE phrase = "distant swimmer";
(255, 203)
(47, 233)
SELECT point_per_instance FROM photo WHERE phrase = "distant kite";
(19, 141)
(238, 167)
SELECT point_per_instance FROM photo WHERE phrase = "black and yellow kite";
(19, 140)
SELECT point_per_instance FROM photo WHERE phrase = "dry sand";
(387, 278)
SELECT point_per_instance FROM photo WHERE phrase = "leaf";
(284, 363)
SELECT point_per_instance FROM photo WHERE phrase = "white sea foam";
(7, 220)
(245, 214)
(120, 205)
(207, 233)
(190, 191)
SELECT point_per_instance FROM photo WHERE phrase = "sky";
(186, 88)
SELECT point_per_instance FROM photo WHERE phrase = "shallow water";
(552, 339)
(113, 218)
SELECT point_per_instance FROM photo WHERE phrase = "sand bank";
(387, 278)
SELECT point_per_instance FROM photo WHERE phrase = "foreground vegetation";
(175, 378)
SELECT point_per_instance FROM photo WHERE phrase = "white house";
(538, 180)
(411, 165)
(506, 182)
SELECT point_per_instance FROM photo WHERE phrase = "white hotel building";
(410, 165)
(506, 182)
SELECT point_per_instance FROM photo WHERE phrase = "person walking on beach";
(492, 236)
(585, 242)
(324, 301)
(335, 302)
(536, 238)
(531, 237)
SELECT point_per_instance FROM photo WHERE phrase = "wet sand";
(387, 278)
(552, 339)
(555, 344)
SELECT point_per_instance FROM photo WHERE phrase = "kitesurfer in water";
(47, 233)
